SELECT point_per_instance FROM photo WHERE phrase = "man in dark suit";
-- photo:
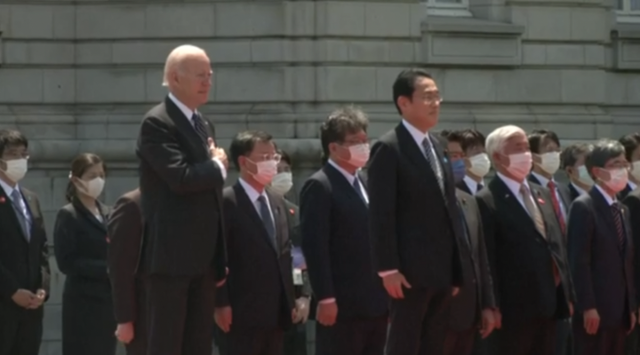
(631, 144)
(24, 255)
(295, 339)
(413, 215)
(526, 251)
(181, 178)
(126, 237)
(468, 144)
(572, 162)
(632, 201)
(601, 256)
(472, 310)
(545, 149)
(352, 309)
(257, 304)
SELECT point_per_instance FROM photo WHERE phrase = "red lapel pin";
(292, 211)
(2, 199)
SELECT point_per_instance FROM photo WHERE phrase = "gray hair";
(603, 151)
(497, 139)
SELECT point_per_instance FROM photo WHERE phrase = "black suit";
(603, 275)
(337, 247)
(412, 225)
(260, 285)
(181, 195)
(465, 311)
(23, 265)
(632, 201)
(622, 194)
(522, 263)
(461, 185)
(80, 242)
(125, 230)
(573, 193)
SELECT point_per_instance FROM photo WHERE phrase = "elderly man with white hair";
(533, 286)
(182, 173)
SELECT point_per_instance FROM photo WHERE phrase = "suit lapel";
(408, 145)
(101, 225)
(248, 207)
(277, 221)
(470, 242)
(604, 210)
(7, 206)
(340, 181)
(514, 207)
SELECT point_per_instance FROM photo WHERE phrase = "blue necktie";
(266, 220)
(358, 188)
(22, 219)
(198, 124)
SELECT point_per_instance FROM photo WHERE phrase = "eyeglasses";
(268, 157)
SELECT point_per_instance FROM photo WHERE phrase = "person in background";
(471, 312)
(601, 256)
(632, 201)
(126, 236)
(545, 150)
(295, 339)
(257, 304)
(352, 309)
(470, 142)
(24, 255)
(80, 243)
(412, 215)
(527, 254)
(572, 162)
(631, 144)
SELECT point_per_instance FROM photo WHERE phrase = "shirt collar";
(580, 190)
(251, 192)
(188, 113)
(632, 185)
(606, 196)
(8, 189)
(513, 185)
(472, 184)
(346, 174)
(543, 180)
(417, 135)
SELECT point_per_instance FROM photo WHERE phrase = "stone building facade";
(76, 76)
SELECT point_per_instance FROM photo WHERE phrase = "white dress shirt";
(472, 184)
(544, 182)
(350, 178)
(188, 113)
(253, 197)
(514, 187)
(22, 206)
(609, 199)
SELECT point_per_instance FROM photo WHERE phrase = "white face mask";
(480, 165)
(282, 183)
(520, 165)
(550, 162)
(583, 176)
(618, 179)
(16, 169)
(635, 170)
(359, 155)
(92, 188)
(266, 170)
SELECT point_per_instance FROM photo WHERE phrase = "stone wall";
(77, 76)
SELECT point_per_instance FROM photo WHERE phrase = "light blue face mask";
(584, 176)
(459, 170)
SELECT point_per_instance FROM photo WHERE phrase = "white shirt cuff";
(222, 168)
(387, 273)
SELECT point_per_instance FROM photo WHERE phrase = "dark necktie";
(617, 218)
(480, 187)
(433, 163)
(556, 205)
(22, 219)
(199, 126)
(358, 188)
(266, 219)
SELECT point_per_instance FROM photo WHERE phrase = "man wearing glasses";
(24, 263)
(257, 304)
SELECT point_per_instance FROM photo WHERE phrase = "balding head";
(187, 74)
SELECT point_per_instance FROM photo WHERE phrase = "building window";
(628, 10)
(456, 8)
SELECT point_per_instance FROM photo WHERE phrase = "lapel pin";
(292, 211)
(2, 199)
(541, 201)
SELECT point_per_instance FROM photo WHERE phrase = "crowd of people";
(403, 248)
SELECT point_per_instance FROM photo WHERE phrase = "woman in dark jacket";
(80, 243)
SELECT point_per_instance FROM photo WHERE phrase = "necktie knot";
(551, 185)
(15, 196)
